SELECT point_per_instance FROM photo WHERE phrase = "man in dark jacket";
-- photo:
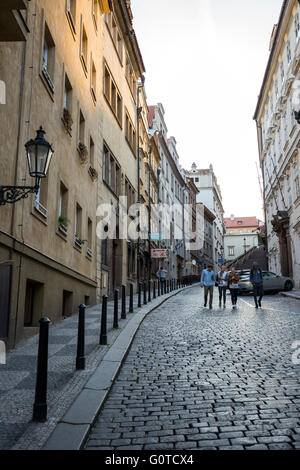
(256, 278)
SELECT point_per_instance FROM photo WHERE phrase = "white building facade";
(171, 194)
(210, 195)
(279, 142)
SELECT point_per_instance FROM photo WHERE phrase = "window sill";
(67, 129)
(93, 93)
(83, 63)
(61, 233)
(95, 23)
(46, 85)
(297, 202)
(38, 214)
(111, 190)
(71, 24)
(130, 146)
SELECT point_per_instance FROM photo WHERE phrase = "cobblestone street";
(207, 379)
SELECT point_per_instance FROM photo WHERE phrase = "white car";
(272, 282)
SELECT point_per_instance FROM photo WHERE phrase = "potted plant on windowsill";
(63, 223)
(93, 173)
(83, 152)
(67, 120)
(78, 241)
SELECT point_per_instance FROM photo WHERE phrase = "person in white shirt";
(222, 281)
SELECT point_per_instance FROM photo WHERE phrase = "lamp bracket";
(12, 194)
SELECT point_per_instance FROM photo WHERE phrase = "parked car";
(272, 282)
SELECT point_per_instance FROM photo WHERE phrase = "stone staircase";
(245, 261)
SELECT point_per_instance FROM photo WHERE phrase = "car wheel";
(288, 286)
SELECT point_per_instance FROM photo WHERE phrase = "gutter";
(130, 35)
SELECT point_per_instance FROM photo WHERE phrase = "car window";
(269, 275)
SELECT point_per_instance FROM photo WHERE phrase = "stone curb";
(291, 296)
(72, 431)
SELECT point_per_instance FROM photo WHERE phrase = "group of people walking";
(230, 280)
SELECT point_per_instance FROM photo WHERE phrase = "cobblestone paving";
(207, 379)
(18, 376)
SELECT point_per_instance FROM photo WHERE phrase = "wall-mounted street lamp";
(39, 153)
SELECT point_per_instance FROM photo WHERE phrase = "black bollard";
(103, 331)
(154, 289)
(40, 402)
(145, 293)
(158, 288)
(80, 358)
(116, 308)
(165, 286)
(123, 312)
(149, 291)
(131, 299)
(139, 294)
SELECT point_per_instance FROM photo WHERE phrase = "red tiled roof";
(151, 115)
(246, 222)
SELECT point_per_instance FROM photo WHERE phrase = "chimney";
(232, 217)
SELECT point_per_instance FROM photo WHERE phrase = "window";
(285, 128)
(130, 133)
(297, 187)
(33, 303)
(297, 26)
(131, 80)
(112, 95)
(95, 12)
(78, 225)
(129, 193)
(71, 13)
(276, 90)
(231, 250)
(84, 48)
(93, 81)
(67, 104)
(81, 129)
(115, 34)
(92, 152)
(288, 52)
(63, 220)
(90, 238)
(282, 73)
(41, 198)
(104, 250)
(111, 171)
(48, 58)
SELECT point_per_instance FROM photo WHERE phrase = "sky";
(205, 61)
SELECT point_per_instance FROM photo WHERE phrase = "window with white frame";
(288, 52)
(297, 187)
(285, 128)
(282, 73)
(276, 89)
(292, 114)
(297, 26)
